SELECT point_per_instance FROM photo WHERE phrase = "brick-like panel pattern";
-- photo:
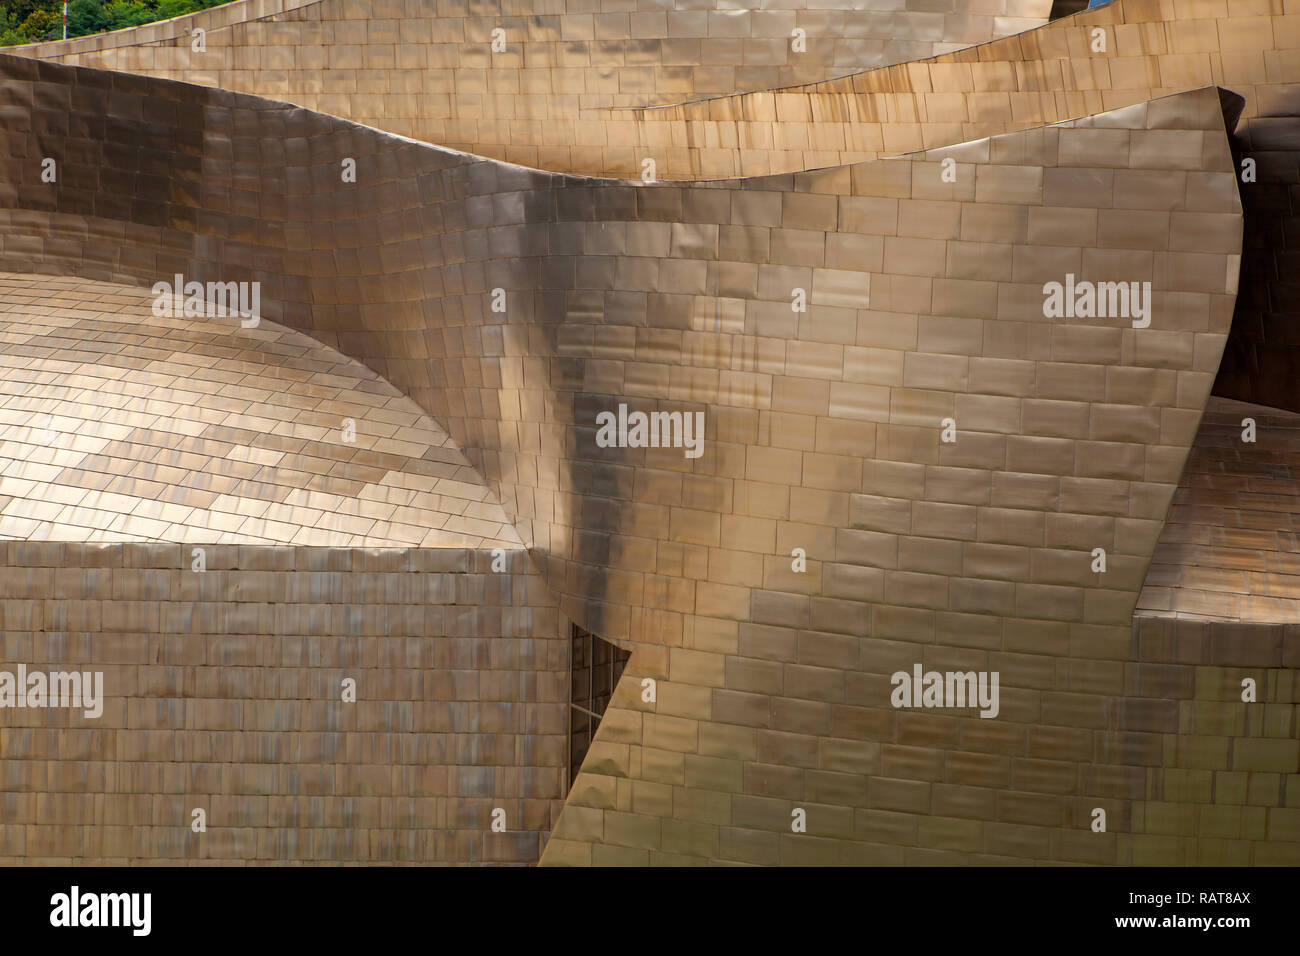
(1050, 73)
(223, 691)
(1059, 71)
(1223, 784)
(426, 69)
(823, 433)
(120, 425)
(1053, 73)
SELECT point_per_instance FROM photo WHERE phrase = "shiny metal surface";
(1229, 548)
(1062, 70)
(428, 69)
(120, 426)
(586, 96)
(823, 432)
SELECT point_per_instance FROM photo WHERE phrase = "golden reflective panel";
(783, 437)
(552, 87)
(121, 426)
(1119, 54)
(1228, 550)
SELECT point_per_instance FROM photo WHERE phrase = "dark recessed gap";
(1064, 8)
(595, 665)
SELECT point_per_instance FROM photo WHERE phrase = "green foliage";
(42, 24)
(178, 8)
(29, 21)
(86, 16)
(127, 13)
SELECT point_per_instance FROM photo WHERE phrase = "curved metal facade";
(909, 456)
(539, 92)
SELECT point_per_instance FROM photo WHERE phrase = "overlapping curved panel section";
(300, 627)
(533, 82)
(1115, 55)
(977, 482)
(1121, 53)
(866, 464)
(586, 93)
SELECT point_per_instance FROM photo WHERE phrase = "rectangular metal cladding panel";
(316, 705)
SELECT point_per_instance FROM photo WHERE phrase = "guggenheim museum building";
(653, 432)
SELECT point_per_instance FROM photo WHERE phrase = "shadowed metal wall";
(222, 693)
